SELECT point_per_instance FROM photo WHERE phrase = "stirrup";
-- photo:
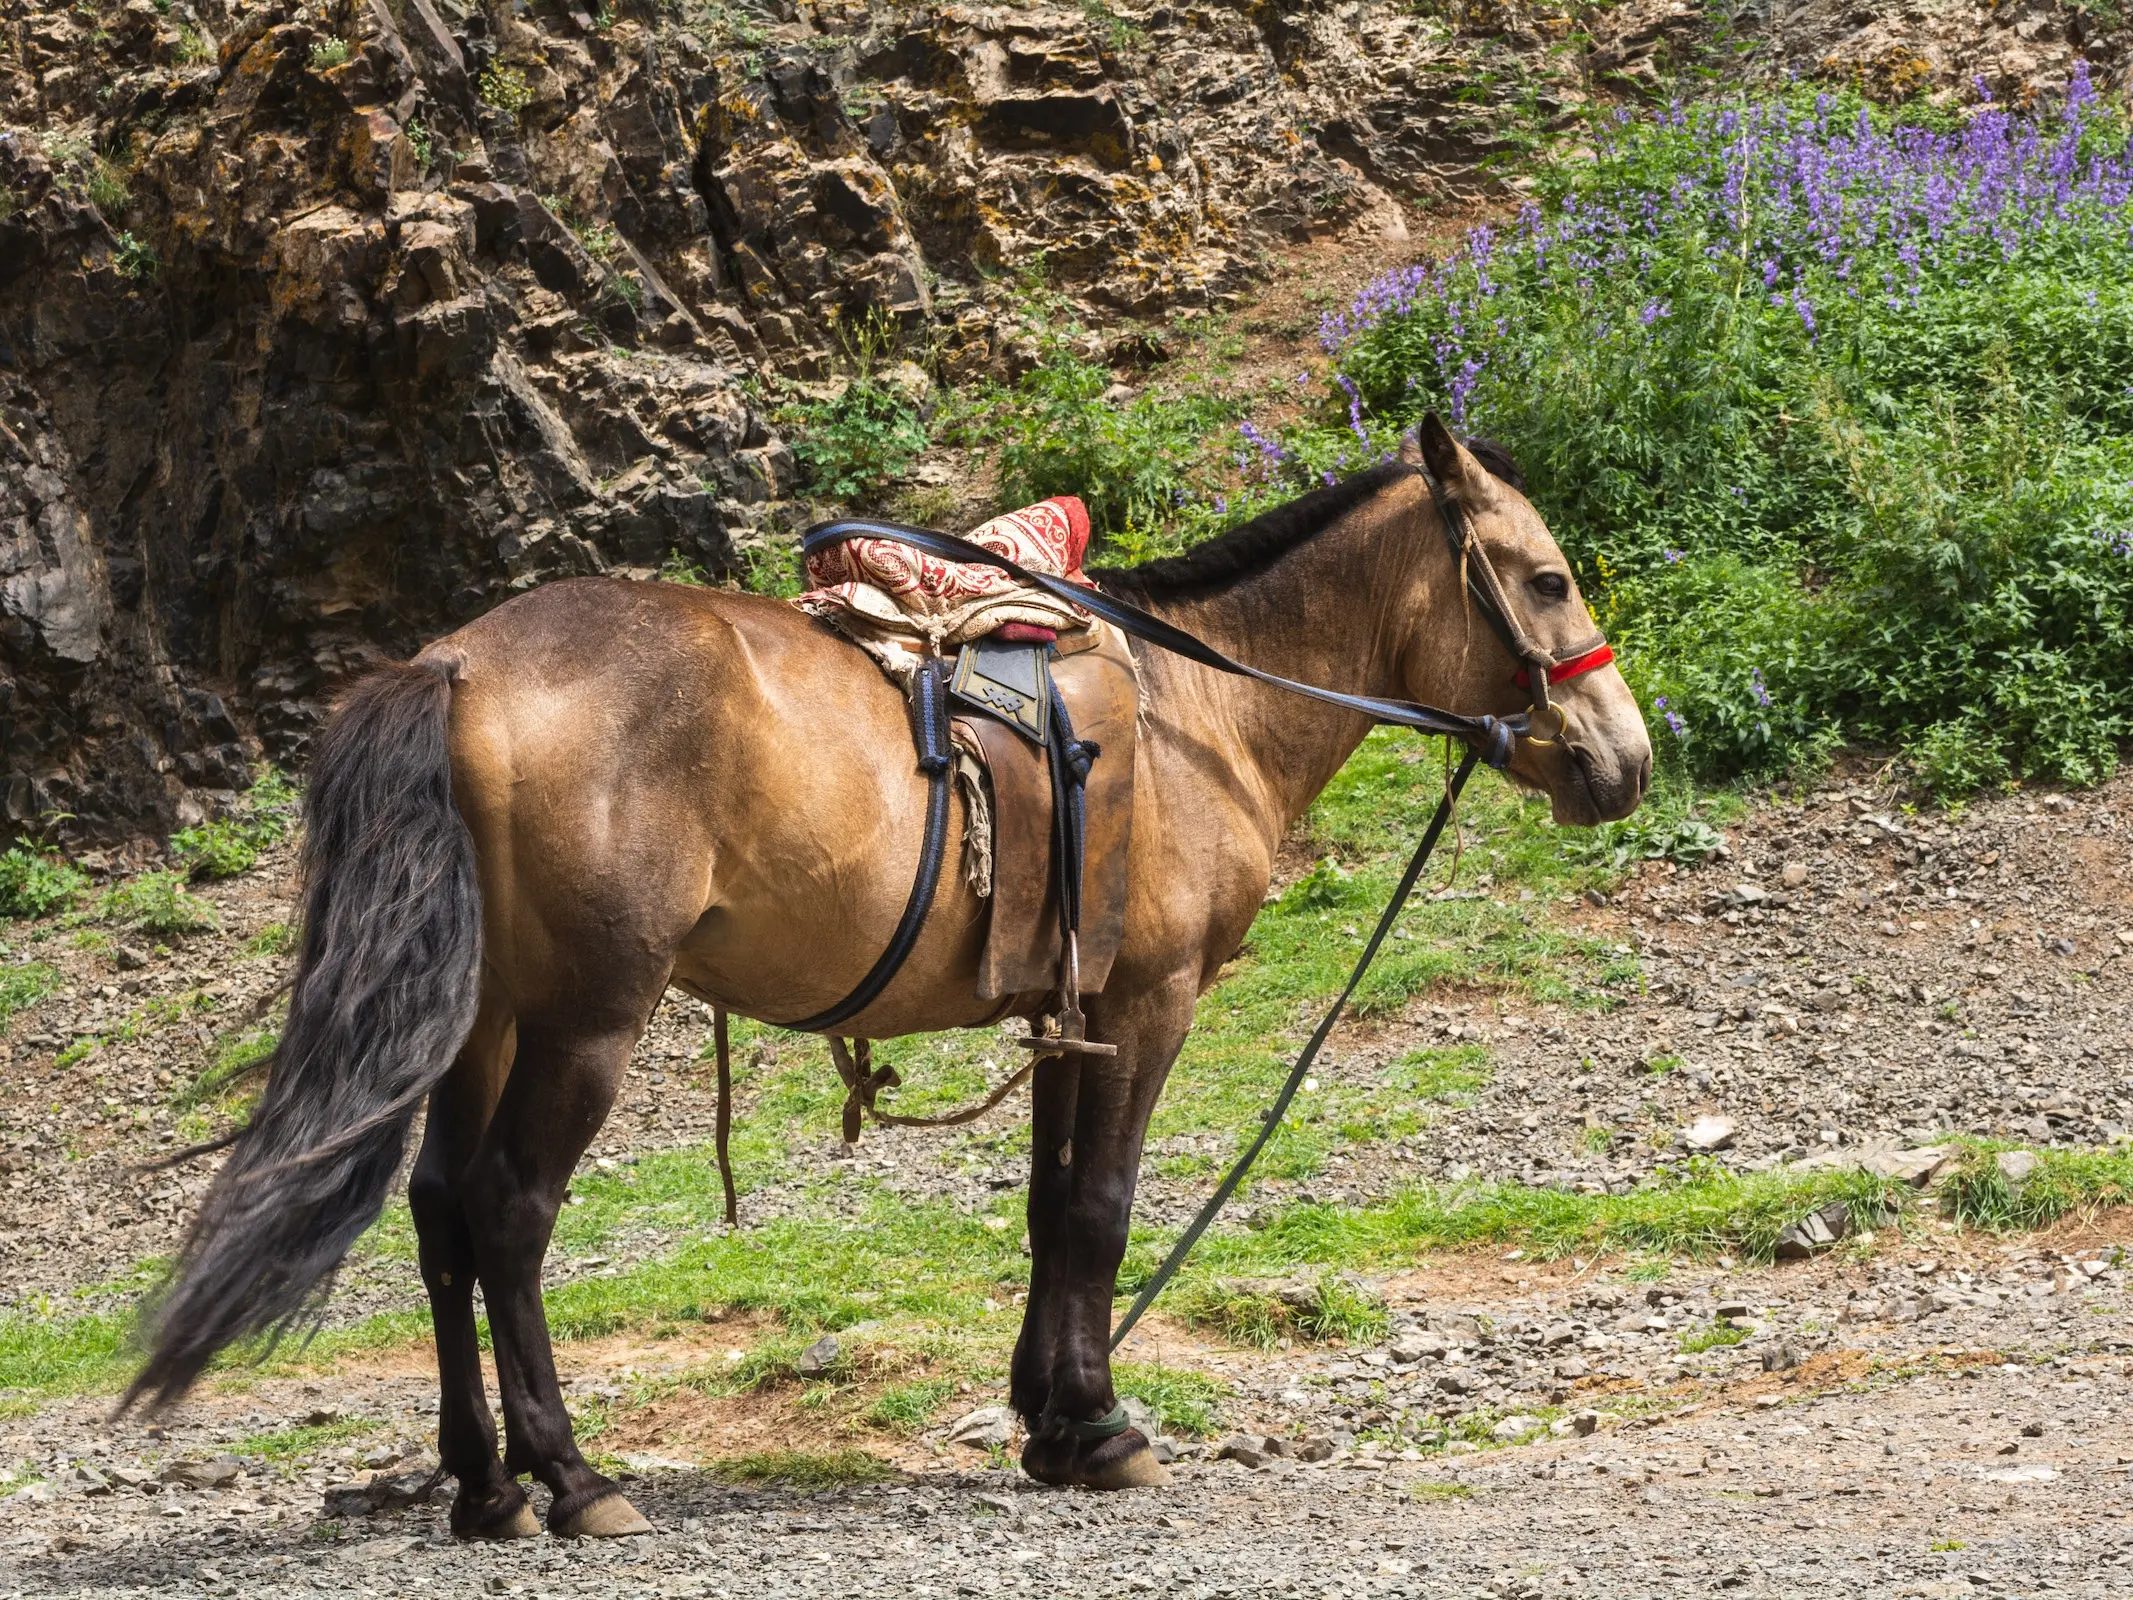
(1072, 1039)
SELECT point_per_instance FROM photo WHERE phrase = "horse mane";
(1251, 547)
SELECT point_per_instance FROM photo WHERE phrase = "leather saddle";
(1002, 715)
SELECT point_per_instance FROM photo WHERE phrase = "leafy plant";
(328, 53)
(854, 444)
(1146, 469)
(226, 846)
(156, 902)
(23, 986)
(36, 880)
(135, 258)
(1832, 409)
(505, 87)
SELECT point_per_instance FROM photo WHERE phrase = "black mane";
(1253, 546)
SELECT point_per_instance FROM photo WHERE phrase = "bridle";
(1539, 666)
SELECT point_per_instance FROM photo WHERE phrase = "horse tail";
(387, 985)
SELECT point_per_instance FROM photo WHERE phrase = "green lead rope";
(1220, 1197)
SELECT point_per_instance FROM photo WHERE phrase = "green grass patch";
(1978, 1194)
(1431, 1493)
(1185, 1403)
(908, 1407)
(803, 1471)
(1711, 1336)
(291, 1444)
(23, 986)
(235, 1060)
(1327, 1308)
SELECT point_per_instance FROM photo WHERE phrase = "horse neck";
(1324, 613)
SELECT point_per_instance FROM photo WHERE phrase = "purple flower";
(1673, 557)
(1755, 682)
(1653, 311)
(1674, 722)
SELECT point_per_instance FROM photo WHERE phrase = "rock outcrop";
(326, 326)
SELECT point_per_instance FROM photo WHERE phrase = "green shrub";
(328, 53)
(24, 986)
(855, 444)
(156, 902)
(505, 88)
(229, 845)
(1833, 413)
(135, 258)
(36, 880)
(1147, 470)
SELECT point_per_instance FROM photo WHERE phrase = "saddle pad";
(886, 588)
(1022, 943)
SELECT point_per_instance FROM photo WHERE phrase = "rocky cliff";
(324, 327)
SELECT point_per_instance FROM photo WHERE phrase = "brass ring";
(1562, 726)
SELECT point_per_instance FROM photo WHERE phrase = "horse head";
(1599, 764)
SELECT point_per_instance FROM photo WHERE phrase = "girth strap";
(929, 715)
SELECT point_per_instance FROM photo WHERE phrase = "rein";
(1492, 738)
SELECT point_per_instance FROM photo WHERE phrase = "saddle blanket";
(884, 593)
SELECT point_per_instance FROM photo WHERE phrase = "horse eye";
(1552, 586)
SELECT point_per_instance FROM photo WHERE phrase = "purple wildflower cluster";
(1674, 722)
(1821, 209)
(2118, 541)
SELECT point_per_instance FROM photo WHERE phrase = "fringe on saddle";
(904, 608)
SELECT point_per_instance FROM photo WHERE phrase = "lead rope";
(1228, 1186)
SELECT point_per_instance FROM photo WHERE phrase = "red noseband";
(1589, 661)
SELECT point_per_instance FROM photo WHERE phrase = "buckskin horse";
(518, 840)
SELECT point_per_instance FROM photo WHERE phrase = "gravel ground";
(1932, 1424)
(1848, 976)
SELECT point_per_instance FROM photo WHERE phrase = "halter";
(1471, 556)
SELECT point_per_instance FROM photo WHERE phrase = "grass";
(803, 1471)
(291, 1444)
(908, 1407)
(158, 903)
(923, 1271)
(23, 986)
(1185, 1403)
(1712, 1336)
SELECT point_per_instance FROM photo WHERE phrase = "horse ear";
(1458, 471)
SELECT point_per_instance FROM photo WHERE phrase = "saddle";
(1040, 701)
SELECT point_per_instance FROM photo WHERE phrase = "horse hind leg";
(488, 1505)
(562, 1083)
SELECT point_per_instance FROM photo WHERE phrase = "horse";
(518, 840)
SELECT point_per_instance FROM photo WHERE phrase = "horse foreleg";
(562, 1083)
(1085, 1220)
(1053, 1093)
(488, 1505)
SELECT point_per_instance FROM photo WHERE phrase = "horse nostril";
(1644, 774)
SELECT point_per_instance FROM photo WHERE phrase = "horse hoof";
(1133, 1468)
(609, 1517)
(498, 1516)
(1123, 1461)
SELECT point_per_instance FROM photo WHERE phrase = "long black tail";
(386, 989)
